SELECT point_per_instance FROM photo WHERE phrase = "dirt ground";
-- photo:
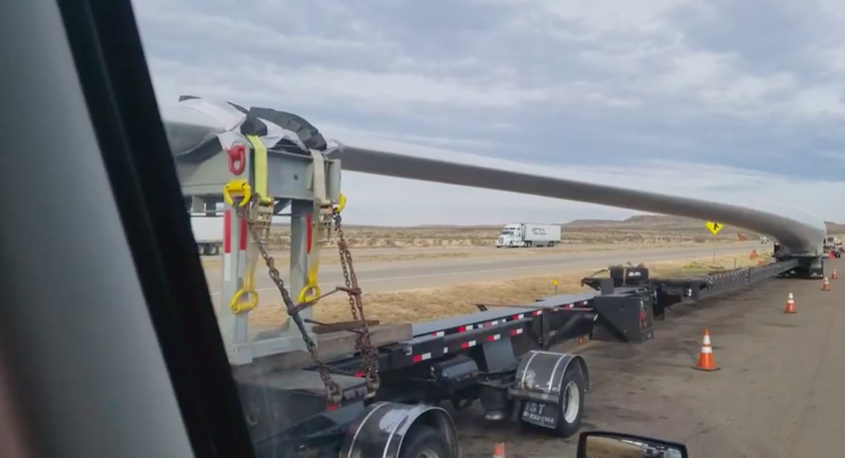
(433, 303)
(778, 393)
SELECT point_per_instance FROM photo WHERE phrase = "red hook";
(237, 159)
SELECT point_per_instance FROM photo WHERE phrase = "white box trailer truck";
(208, 233)
(523, 235)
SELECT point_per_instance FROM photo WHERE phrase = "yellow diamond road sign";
(714, 227)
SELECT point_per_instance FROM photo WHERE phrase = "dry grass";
(329, 255)
(416, 237)
(639, 230)
(433, 303)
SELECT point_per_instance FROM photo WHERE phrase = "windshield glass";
(320, 138)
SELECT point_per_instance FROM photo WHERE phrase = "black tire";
(425, 442)
(567, 428)
(213, 250)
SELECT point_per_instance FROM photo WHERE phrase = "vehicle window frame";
(112, 69)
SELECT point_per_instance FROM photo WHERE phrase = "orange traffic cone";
(826, 285)
(705, 357)
(790, 305)
(833, 275)
(499, 450)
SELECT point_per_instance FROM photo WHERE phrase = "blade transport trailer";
(361, 389)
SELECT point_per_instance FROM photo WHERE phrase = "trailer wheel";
(572, 396)
(213, 250)
(425, 442)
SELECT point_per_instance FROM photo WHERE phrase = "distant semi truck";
(834, 245)
(523, 235)
(208, 233)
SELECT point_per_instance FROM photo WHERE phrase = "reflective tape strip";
(227, 266)
(227, 231)
(243, 239)
(422, 357)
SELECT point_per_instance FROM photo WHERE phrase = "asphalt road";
(399, 275)
(779, 392)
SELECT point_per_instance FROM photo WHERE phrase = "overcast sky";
(731, 100)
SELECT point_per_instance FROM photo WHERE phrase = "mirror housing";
(606, 444)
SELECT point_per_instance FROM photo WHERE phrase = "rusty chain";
(356, 306)
(247, 213)
(362, 341)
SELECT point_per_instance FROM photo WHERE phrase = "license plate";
(539, 414)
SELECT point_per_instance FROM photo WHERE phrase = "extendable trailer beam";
(501, 356)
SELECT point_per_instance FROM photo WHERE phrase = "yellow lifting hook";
(238, 187)
(238, 306)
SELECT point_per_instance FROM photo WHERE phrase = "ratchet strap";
(246, 298)
(315, 222)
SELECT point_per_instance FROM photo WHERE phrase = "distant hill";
(641, 221)
(835, 228)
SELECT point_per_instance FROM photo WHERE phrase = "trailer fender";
(380, 430)
(539, 375)
(550, 387)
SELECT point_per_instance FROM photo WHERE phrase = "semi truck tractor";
(834, 245)
(208, 233)
(523, 235)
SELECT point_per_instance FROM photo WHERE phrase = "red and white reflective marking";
(242, 246)
(494, 337)
(516, 332)
(422, 357)
(520, 316)
(469, 344)
(227, 245)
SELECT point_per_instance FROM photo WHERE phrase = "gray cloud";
(768, 35)
(746, 83)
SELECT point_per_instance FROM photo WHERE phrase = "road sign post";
(714, 229)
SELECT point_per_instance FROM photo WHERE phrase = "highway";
(779, 393)
(399, 275)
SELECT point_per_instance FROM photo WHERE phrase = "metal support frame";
(290, 179)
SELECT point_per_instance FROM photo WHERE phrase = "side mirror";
(602, 444)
